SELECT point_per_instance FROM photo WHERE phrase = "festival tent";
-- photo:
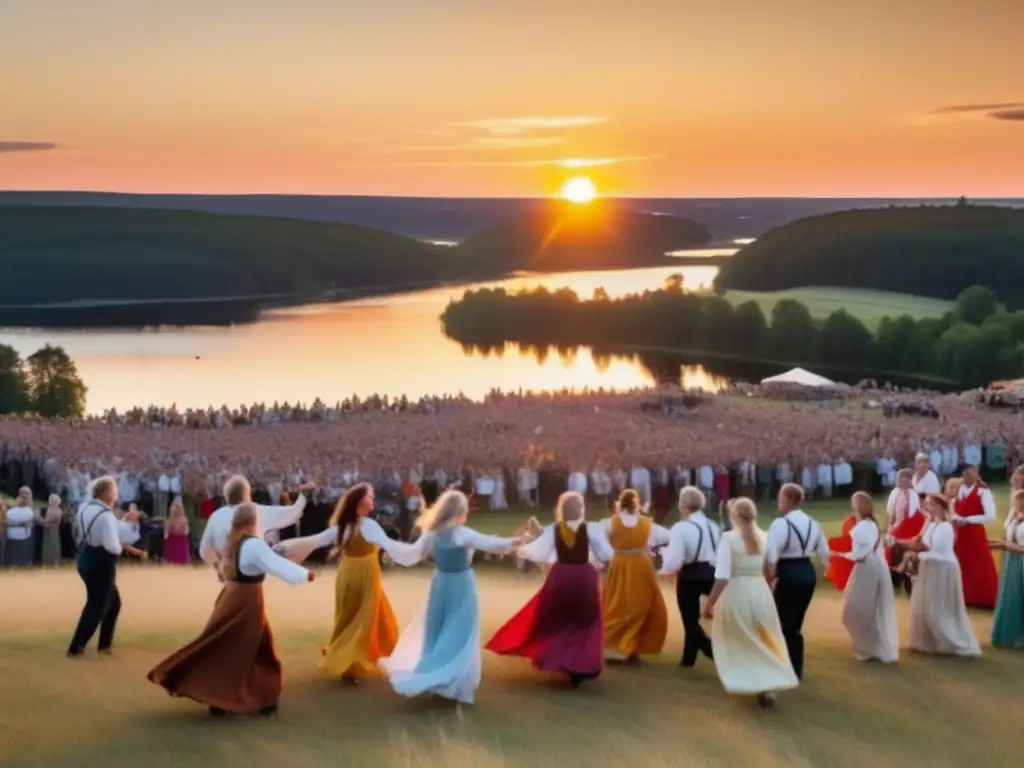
(800, 377)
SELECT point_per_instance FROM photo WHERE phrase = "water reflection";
(390, 345)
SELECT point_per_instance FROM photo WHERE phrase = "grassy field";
(869, 306)
(103, 712)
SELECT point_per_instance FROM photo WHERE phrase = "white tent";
(799, 377)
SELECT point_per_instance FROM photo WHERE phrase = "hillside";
(926, 251)
(55, 255)
(601, 235)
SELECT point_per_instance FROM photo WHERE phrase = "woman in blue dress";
(1008, 624)
(439, 652)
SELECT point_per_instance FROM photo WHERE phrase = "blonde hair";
(1018, 497)
(237, 490)
(570, 507)
(905, 474)
(178, 503)
(445, 512)
(952, 487)
(243, 521)
(864, 507)
(1017, 477)
(103, 486)
(692, 498)
(743, 513)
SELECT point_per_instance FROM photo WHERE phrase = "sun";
(579, 190)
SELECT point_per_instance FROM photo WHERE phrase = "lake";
(389, 345)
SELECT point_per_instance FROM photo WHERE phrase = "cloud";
(561, 162)
(957, 108)
(1008, 114)
(26, 146)
(511, 126)
(488, 144)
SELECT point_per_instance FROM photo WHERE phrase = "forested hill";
(928, 251)
(601, 235)
(54, 255)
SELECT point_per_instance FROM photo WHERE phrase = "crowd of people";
(758, 586)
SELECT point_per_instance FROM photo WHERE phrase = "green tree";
(715, 330)
(792, 332)
(918, 354)
(750, 328)
(13, 393)
(844, 340)
(674, 283)
(54, 387)
(891, 339)
(975, 304)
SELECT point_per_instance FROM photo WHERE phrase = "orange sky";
(492, 97)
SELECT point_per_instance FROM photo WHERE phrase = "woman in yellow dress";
(635, 618)
(364, 624)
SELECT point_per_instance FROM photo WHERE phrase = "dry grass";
(102, 712)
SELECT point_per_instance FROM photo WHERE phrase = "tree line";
(976, 342)
(923, 250)
(45, 383)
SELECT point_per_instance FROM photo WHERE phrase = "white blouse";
(913, 506)
(463, 537)
(19, 523)
(658, 537)
(865, 539)
(299, 549)
(938, 537)
(542, 549)
(1014, 532)
(256, 558)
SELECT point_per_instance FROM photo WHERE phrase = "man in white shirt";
(925, 481)
(238, 491)
(98, 550)
(793, 539)
(692, 545)
(21, 520)
(578, 483)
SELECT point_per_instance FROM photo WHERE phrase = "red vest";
(970, 504)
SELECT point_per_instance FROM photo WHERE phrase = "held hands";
(311, 576)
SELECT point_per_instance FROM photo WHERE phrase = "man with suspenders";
(793, 540)
(99, 546)
(693, 542)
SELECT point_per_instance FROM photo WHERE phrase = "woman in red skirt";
(561, 628)
(975, 508)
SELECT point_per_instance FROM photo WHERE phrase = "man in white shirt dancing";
(793, 539)
(238, 491)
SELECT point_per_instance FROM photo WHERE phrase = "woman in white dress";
(938, 616)
(750, 652)
(869, 608)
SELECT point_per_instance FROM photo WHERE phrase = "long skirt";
(635, 617)
(1008, 624)
(560, 629)
(981, 582)
(50, 554)
(938, 616)
(439, 652)
(18, 552)
(364, 624)
(869, 611)
(750, 652)
(177, 549)
(232, 665)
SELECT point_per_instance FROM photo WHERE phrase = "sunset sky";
(511, 97)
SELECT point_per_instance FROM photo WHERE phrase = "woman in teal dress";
(1008, 624)
(439, 652)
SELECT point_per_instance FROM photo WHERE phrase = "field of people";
(866, 305)
(102, 711)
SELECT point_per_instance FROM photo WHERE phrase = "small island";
(566, 237)
(932, 251)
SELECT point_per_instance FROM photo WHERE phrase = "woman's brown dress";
(232, 665)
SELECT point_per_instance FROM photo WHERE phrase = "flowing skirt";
(938, 617)
(635, 617)
(177, 549)
(750, 652)
(439, 652)
(981, 582)
(840, 569)
(50, 554)
(1008, 624)
(232, 665)
(364, 624)
(560, 629)
(869, 611)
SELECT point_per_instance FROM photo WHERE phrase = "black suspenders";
(804, 540)
(700, 540)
